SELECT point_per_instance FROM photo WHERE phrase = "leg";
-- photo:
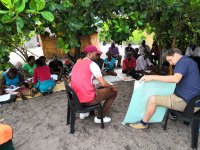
(151, 108)
(119, 58)
(104, 94)
(170, 101)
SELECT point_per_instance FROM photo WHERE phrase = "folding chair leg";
(72, 121)
(101, 115)
(68, 114)
(166, 120)
(195, 132)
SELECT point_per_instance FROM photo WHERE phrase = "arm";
(148, 62)
(60, 73)
(97, 73)
(104, 83)
(21, 79)
(124, 66)
(35, 79)
(27, 74)
(3, 81)
(170, 79)
(25, 69)
(134, 63)
(140, 64)
(117, 51)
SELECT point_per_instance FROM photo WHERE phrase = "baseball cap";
(91, 48)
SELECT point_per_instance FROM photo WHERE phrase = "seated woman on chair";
(42, 78)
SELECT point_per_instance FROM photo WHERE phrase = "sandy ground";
(39, 124)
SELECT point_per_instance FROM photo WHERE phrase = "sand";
(40, 124)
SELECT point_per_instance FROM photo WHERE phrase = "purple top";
(114, 51)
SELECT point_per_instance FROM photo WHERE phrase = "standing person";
(187, 79)
(115, 54)
(109, 65)
(42, 77)
(29, 67)
(143, 48)
(84, 87)
(56, 67)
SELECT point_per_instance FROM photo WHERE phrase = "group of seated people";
(134, 63)
(34, 76)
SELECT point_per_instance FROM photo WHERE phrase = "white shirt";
(190, 52)
(142, 64)
(96, 71)
(141, 49)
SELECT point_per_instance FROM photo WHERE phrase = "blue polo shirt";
(189, 85)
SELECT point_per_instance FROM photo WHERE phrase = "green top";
(28, 68)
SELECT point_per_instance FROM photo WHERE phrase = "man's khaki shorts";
(171, 102)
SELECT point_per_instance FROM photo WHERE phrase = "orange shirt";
(5, 133)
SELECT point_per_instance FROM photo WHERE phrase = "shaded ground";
(39, 124)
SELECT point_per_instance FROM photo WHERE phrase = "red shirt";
(42, 73)
(81, 81)
(129, 64)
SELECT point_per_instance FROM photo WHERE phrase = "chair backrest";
(189, 109)
(73, 98)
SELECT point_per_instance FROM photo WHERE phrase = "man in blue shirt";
(187, 79)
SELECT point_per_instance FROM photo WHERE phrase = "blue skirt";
(45, 86)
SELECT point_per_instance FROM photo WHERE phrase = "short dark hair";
(42, 57)
(30, 57)
(39, 62)
(171, 52)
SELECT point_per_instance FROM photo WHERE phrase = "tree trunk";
(173, 43)
(173, 46)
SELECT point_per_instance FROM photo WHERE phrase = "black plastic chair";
(74, 106)
(188, 116)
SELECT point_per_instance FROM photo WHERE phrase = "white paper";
(54, 76)
(8, 90)
(4, 98)
(147, 71)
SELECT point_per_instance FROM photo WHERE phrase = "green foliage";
(18, 18)
(120, 20)
(136, 37)
(173, 20)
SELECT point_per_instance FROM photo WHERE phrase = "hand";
(146, 78)
(114, 88)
